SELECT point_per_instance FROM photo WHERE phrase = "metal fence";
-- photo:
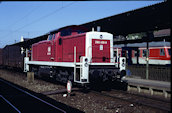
(161, 73)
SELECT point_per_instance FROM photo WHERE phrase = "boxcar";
(12, 56)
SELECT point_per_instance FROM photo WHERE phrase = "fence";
(161, 73)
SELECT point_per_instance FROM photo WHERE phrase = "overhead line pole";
(147, 61)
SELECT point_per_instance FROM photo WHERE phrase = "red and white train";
(159, 53)
(72, 53)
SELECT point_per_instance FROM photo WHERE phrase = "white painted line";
(10, 104)
(33, 96)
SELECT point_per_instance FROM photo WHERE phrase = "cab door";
(53, 48)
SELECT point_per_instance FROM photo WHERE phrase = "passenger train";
(159, 53)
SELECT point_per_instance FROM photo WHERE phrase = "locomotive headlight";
(101, 36)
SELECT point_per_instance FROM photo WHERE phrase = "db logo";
(69, 86)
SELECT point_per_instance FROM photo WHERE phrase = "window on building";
(169, 52)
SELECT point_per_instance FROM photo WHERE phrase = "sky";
(35, 18)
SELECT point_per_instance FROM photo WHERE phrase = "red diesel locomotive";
(72, 53)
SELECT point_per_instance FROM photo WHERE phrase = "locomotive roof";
(70, 26)
(57, 30)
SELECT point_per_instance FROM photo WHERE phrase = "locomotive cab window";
(66, 32)
(162, 52)
(54, 36)
(50, 37)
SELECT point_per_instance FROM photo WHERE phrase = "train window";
(60, 41)
(135, 53)
(144, 53)
(162, 52)
(65, 32)
(169, 52)
(114, 54)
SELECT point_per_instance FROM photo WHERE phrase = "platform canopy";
(154, 17)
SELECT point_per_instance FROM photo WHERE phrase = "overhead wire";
(30, 12)
(45, 16)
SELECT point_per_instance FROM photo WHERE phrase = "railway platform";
(16, 99)
(152, 87)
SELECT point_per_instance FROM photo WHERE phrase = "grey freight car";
(12, 56)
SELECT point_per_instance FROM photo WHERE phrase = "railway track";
(135, 99)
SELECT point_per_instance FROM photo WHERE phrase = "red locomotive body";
(61, 48)
(71, 53)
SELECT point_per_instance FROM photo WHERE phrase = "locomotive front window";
(162, 52)
(65, 32)
(50, 37)
(54, 35)
(169, 52)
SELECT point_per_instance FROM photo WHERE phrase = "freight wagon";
(12, 57)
